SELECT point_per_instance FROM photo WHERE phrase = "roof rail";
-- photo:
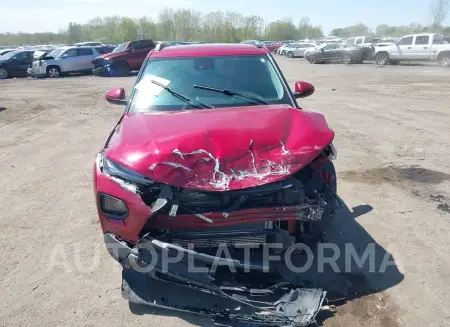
(160, 46)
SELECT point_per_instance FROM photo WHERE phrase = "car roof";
(208, 49)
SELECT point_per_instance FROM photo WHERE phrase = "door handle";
(409, 47)
(425, 47)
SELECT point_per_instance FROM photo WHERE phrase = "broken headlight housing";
(125, 177)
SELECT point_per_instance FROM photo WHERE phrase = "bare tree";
(439, 12)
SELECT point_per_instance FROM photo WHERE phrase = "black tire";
(346, 59)
(313, 59)
(53, 72)
(444, 60)
(382, 59)
(290, 54)
(4, 73)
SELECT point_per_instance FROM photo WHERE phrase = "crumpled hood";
(219, 149)
(113, 55)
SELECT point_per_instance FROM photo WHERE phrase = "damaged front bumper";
(224, 289)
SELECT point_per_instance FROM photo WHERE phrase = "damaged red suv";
(213, 149)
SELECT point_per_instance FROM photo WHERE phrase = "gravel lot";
(392, 137)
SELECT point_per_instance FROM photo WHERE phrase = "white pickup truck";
(362, 41)
(417, 47)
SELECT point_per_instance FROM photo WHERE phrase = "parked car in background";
(125, 57)
(65, 60)
(362, 40)
(15, 63)
(282, 50)
(325, 45)
(416, 47)
(89, 44)
(347, 54)
(254, 42)
(272, 46)
(365, 43)
(104, 49)
(298, 49)
(5, 51)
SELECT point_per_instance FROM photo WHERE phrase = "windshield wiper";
(183, 97)
(230, 93)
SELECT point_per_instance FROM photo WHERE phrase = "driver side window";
(70, 53)
(406, 41)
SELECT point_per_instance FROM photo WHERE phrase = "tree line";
(191, 25)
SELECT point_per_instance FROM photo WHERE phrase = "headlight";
(112, 207)
(115, 170)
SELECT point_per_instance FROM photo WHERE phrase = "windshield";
(254, 76)
(56, 53)
(120, 47)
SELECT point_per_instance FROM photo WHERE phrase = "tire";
(3, 73)
(53, 72)
(313, 59)
(290, 54)
(346, 59)
(444, 60)
(283, 52)
(382, 59)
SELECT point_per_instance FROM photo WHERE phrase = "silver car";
(298, 49)
(64, 60)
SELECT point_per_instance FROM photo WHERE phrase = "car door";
(19, 63)
(139, 51)
(402, 49)
(68, 61)
(299, 50)
(421, 47)
(331, 52)
(84, 59)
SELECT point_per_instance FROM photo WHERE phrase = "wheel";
(3, 73)
(283, 53)
(346, 59)
(444, 60)
(53, 72)
(313, 59)
(382, 59)
(290, 54)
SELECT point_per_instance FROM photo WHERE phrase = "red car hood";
(219, 149)
(112, 55)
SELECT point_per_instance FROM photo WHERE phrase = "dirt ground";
(392, 137)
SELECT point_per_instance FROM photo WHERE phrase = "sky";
(52, 15)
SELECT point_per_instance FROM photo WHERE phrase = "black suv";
(15, 63)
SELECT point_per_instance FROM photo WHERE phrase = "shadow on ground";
(356, 290)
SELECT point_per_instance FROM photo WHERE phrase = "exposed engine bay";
(290, 208)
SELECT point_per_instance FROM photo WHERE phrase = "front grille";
(214, 237)
(198, 202)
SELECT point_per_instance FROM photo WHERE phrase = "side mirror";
(116, 96)
(303, 89)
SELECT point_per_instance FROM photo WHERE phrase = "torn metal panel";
(225, 150)
(224, 296)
